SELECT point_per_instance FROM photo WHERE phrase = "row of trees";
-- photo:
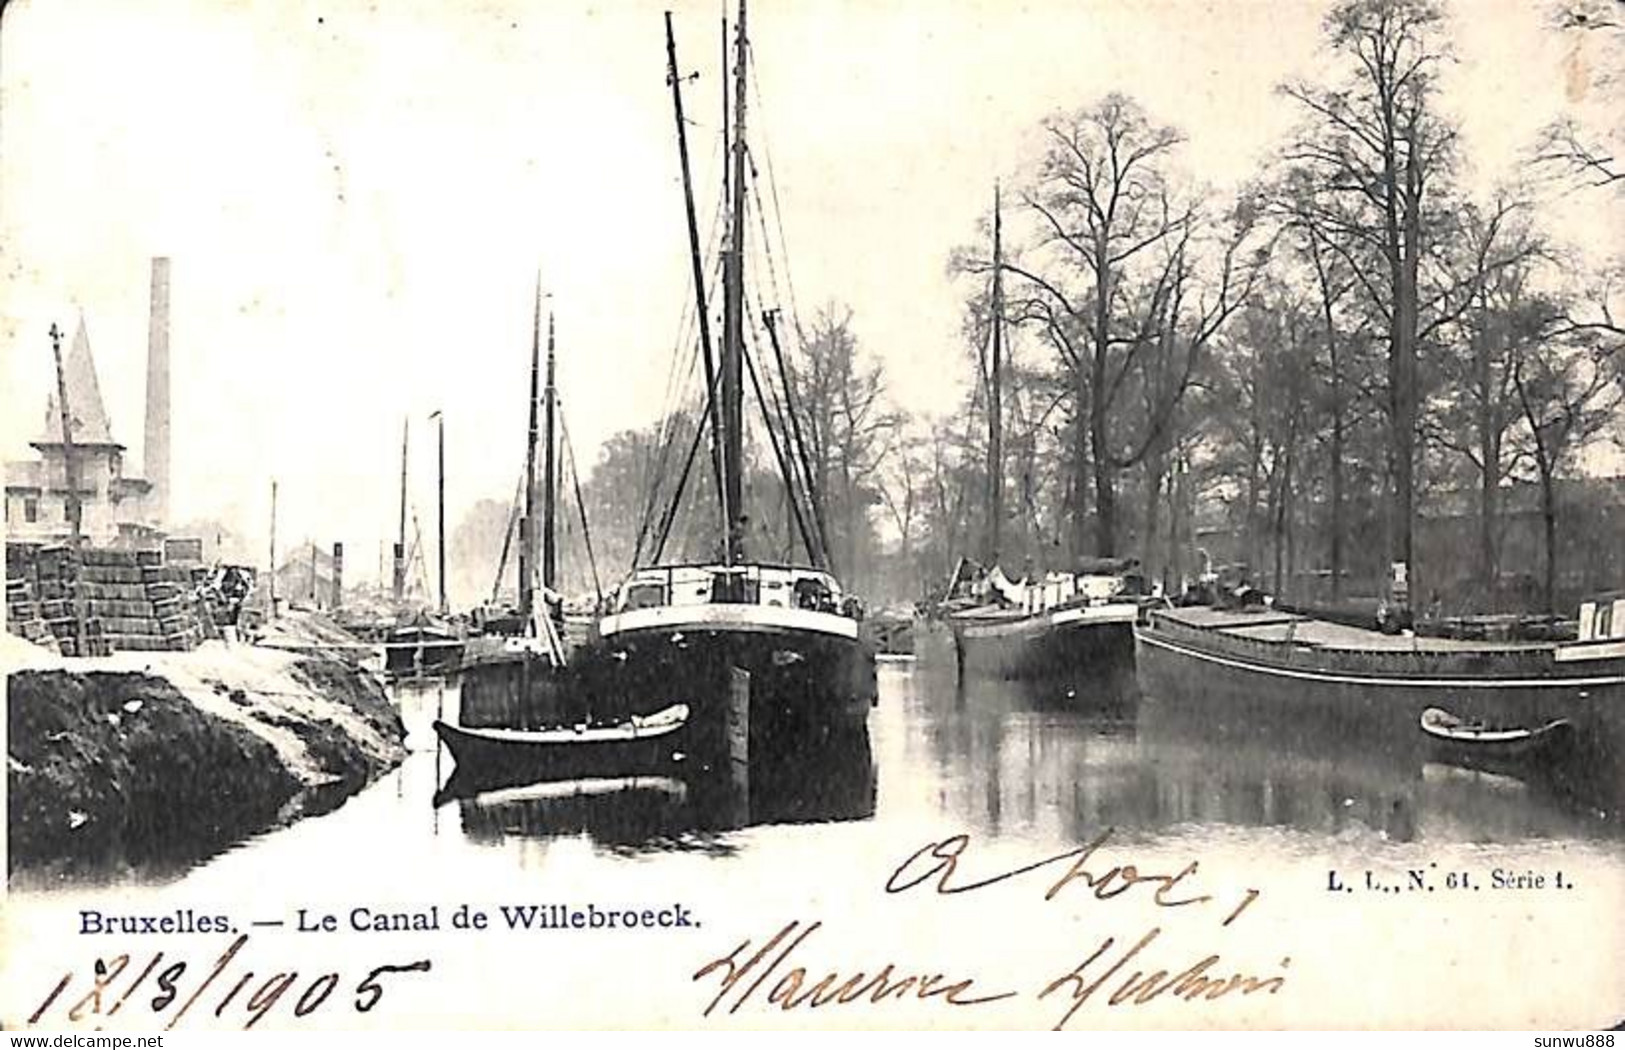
(1350, 331)
(1351, 342)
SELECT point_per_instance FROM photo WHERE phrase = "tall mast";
(995, 399)
(440, 505)
(271, 576)
(733, 316)
(400, 532)
(527, 524)
(726, 182)
(549, 470)
(696, 263)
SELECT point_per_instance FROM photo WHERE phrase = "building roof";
(24, 474)
(87, 413)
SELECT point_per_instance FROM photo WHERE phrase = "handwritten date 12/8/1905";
(171, 987)
(1124, 971)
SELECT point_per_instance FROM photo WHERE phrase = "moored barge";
(1266, 663)
(1067, 625)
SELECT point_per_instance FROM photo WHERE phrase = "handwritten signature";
(108, 993)
(1108, 883)
(746, 973)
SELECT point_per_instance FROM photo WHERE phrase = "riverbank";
(140, 764)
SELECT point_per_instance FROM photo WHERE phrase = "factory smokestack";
(156, 445)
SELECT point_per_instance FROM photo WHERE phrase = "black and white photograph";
(813, 514)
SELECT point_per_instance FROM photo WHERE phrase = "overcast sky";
(357, 201)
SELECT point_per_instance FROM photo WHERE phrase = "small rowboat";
(640, 745)
(1477, 743)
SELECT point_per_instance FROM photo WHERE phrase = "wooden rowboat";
(640, 745)
(1478, 743)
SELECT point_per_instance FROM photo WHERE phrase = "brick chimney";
(155, 449)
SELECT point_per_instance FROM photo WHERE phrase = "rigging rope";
(814, 495)
(773, 190)
(671, 398)
(666, 432)
(688, 465)
(507, 537)
(581, 506)
(785, 469)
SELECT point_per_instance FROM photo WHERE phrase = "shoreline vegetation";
(143, 764)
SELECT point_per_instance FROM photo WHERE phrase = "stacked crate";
(23, 614)
(136, 600)
(61, 594)
(169, 592)
(105, 599)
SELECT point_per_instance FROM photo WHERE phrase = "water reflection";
(1013, 758)
(831, 782)
(1048, 765)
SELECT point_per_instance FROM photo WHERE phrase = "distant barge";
(1375, 684)
(1071, 625)
(1046, 643)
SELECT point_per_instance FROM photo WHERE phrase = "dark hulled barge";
(1068, 625)
(685, 629)
(682, 629)
(1264, 662)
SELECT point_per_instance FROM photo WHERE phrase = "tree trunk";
(1176, 510)
(1155, 472)
(1489, 460)
(1105, 477)
(1283, 503)
(1078, 491)
(1489, 513)
(1337, 460)
(1548, 513)
(1252, 546)
(1406, 318)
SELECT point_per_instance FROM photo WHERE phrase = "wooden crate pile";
(58, 591)
(24, 616)
(112, 600)
(181, 617)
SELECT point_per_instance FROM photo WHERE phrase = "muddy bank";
(140, 765)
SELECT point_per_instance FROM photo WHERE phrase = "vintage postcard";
(1078, 514)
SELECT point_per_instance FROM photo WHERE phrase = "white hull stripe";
(1117, 613)
(1034, 627)
(1575, 652)
(1393, 682)
(727, 615)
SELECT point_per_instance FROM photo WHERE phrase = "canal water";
(1039, 765)
(1324, 833)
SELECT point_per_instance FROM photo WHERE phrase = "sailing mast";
(696, 264)
(733, 317)
(399, 580)
(549, 473)
(440, 524)
(527, 524)
(995, 400)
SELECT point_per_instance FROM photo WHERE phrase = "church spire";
(87, 414)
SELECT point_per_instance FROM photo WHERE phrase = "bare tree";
(1479, 410)
(1294, 202)
(849, 426)
(1114, 276)
(1568, 388)
(1378, 154)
